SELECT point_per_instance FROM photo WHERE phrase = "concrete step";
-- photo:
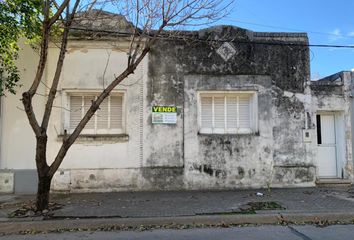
(333, 182)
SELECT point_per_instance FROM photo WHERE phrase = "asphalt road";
(306, 232)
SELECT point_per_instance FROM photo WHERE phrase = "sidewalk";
(205, 207)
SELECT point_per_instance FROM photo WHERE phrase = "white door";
(326, 139)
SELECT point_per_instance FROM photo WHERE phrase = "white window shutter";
(244, 112)
(206, 112)
(103, 115)
(227, 112)
(116, 112)
(108, 119)
(75, 111)
(87, 104)
(231, 109)
(219, 112)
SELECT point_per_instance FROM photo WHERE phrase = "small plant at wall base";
(151, 21)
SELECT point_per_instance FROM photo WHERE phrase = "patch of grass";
(265, 206)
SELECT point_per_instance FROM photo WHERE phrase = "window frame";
(67, 111)
(253, 112)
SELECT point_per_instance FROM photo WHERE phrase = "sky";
(325, 21)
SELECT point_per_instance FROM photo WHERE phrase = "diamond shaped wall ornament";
(226, 51)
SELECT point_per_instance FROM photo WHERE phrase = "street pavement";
(292, 232)
(321, 206)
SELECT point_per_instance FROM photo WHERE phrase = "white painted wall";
(17, 137)
(90, 66)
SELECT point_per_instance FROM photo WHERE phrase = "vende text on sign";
(164, 114)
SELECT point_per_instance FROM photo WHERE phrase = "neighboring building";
(332, 99)
(247, 115)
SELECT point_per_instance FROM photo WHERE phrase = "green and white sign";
(164, 114)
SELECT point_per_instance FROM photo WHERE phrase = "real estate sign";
(164, 114)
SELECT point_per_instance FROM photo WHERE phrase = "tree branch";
(58, 13)
(53, 89)
(134, 34)
(27, 103)
(44, 50)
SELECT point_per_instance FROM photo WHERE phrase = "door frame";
(340, 141)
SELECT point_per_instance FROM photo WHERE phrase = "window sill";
(105, 138)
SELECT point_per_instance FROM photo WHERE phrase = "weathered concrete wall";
(163, 144)
(293, 157)
(277, 71)
(224, 161)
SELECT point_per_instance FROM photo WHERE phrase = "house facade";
(231, 109)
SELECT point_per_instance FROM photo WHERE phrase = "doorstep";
(333, 182)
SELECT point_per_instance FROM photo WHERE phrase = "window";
(227, 112)
(107, 120)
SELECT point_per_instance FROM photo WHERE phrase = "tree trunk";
(43, 193)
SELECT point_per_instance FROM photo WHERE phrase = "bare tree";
(151, 20)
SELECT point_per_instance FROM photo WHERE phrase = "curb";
(15, 227)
